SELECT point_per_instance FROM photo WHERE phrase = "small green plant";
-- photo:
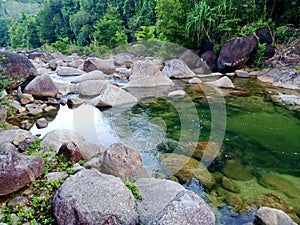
(297, 68)
(257, 59)
(131, 186)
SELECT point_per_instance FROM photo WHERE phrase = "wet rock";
(235, 53)
(123, 59)
(211, 59)
(41, 123)
(291, 101)
(113, 96)
(124, 162)
(91, 87)
(42, 86)
(186, 208)
(17, 171)
(223, 82)
(197, 150)
(65, 88)
(70, 152)
(195, 80)
(176, 68)
(106, 66)
(145, 74)
(69, 71)
(156, 194)
(93, 75)
(276, 182)
(264, 35)
(16, 65)
(186, 168)
(235, 170)
(26, 99)
(90, 197)
(242, 74)
(56, 138)
(283, 77)
(177, 94)
(193, 61)
(270, 216)
(230, 185)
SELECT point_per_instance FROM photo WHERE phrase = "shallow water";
(260, 135)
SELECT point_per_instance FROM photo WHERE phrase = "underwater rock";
(230, 185)
(235, 170)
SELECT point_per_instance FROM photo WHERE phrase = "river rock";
(56, 138)
(76, 63)
(41, 123)
(186, 168)
(186, 208)
(235, 53)
(270, 216)
(211, 58)
(65, 88)
(16, 65)
(26, 99)
(91, 87)
(177, 94)
(223, 82)
(8, 136)
(123, 59)
(235, 170)
(74, 102)
(71, 152)
(68, 71)
(90, 197)
(283, 77)
(17, 171)
(113, 96)
(195, 80)
(198, 149)
(42, 86)
(124, 162)
(176, 68)
(146, 74)
(193, 61)
(156, 194)
(242, 74)
(230, 185)
(93, 75)
(106, 66)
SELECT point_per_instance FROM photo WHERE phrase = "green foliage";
(147, 33)
(257, 60)
(4, 81)
(131, 186)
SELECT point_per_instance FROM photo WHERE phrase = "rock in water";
(90, 197)
(17, 171)
(176, 68)
(42, 86)
(106, 66)
(270, 216)
(223, 82)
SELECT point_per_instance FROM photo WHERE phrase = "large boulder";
(56, 138)
(69, 71)
(106, 66)
(42, 86)
(15, 66)
(65, 88)
(211, 59)
(235, 53)
(17, 171)
(91, 87)
(146, 74)
(122, 161)
(193, 61)
(124, 59)
(176, 68)
(93, 75)
(156, 195)
(113, 96)
(270, 216)
(186, 208)
(90, 197)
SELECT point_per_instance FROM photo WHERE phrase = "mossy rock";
(186, 168)
(235, 170)
(197, 150)
(235, 201)
(230, 185)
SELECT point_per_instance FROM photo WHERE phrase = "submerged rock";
(90, 197)
(235, 170)
(270, 216)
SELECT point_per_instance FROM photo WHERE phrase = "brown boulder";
(235, 53)
(42, 86)
(17, 171)
(106, 66)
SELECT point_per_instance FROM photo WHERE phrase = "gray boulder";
(270, 216)
(8, 136)
(185, 208)
(113, 96)
(91, 87)
(176, 68)
(68, 71)
(56, 138)
(193, 61)
(235, 53)
(123, 59)
(122, 161)
(65, 88)
(146, 74)
(17, 171)
(93, 75)
(90, 197)
(42, 86)
(156, 195)
(223, 82)
(106, 66)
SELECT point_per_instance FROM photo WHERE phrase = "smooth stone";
(41, 123)
(69, 71)
(93, 75)
(26, 99)
(270, 216)
(91, 87)
(176, 68)
(41, 86)
(242, 74)
(223, 82)
(195, 80)
(65, 88)
(177, 94)
(197, 150)
(235, 170)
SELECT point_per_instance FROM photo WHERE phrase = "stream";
(258, 138)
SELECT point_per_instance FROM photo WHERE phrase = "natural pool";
(260, 151)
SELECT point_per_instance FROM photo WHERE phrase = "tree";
(4, 34)
(109, 29)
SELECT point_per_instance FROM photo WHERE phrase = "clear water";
(260, 135)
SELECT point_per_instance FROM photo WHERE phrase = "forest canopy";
(90, 25)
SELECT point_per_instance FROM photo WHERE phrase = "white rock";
(223, 82)
(177, 94)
